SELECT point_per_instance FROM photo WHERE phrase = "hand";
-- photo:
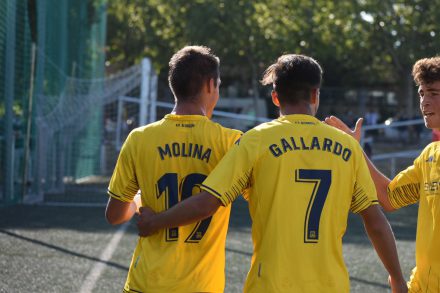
(397, 286)
(144, 222)
(337, 123)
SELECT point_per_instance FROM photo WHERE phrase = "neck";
(189, 108)
(300, 108)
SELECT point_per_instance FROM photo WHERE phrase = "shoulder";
(432, 147)
(267, 126)
(144, 132)
(228, 132)
(138, 131)
(253, 136)
(431, 152)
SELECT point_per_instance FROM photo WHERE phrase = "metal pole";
(153, 98)
(29, 122)
(145, 91)
(393, 167)
(40, 148)
(118, 143)
(9, 101)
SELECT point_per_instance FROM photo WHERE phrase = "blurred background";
(77, 76)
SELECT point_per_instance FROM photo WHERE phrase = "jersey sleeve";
(233, 175)
(123, 184)
(404, 189)
(364, 191)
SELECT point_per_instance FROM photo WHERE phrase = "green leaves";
(358, 42)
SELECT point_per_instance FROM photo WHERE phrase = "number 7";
(322, 180)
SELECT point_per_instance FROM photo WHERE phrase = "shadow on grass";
(91, 219)
(370, 283)
(63, 250)
(87, 219)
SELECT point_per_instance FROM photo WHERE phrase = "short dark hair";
(427, 70)
(293, 76)
(190, 68)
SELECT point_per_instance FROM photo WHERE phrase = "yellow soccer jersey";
(421, 182)
(167, 161)
(303, 177)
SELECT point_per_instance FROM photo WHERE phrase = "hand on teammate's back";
(143, 223)
(337, 123)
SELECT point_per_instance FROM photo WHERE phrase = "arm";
(382, 238)
(118, 212)
(380, 180)
(193, 209)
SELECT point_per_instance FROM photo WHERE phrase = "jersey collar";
(185, 117)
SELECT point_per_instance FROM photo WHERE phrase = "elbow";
(206, 212)
(112, 219)
(207, 205)
(386, 205)
(385, 202)
(388, 208)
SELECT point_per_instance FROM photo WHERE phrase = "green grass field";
(58, 249)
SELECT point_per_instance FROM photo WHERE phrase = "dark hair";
(426, 71)
(293, 76)
(190, 68)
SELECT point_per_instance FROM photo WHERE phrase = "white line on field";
(94, 274)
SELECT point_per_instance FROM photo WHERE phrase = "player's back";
(171, 158)
(304, 184)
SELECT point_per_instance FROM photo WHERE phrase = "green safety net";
(70, 39)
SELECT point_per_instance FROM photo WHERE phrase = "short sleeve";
(404, 189)
(123, 184)
(233, 175)
(364, 191)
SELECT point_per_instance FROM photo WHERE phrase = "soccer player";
(419, 182)
(167, 161)
(302, 178)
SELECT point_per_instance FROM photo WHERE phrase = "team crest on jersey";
(430, 159)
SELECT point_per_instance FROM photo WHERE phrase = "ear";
(314, 96)
(211, 85)
(275, 100)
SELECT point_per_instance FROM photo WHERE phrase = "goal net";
(80, 131)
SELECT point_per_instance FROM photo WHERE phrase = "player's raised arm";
(380, 180)
(382, 238)
(193, 209)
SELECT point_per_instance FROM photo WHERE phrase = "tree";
(359, 43)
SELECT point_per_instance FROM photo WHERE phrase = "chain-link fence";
(69, 38)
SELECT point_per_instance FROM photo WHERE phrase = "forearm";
(381, 183)
(129, 213)
(193, 209)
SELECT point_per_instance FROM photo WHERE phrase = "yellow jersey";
(421, 183)
(302, 177)
(167, 161)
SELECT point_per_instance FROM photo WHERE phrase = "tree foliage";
(358, 42)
